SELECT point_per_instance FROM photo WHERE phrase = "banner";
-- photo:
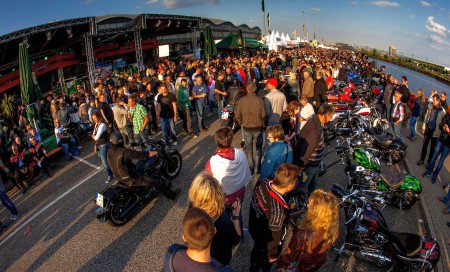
(262, 5)
(268, 20)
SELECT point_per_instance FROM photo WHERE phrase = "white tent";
(287, 38)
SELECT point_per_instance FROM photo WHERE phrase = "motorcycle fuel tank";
(372, 219)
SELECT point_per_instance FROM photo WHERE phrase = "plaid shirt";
(137, 116)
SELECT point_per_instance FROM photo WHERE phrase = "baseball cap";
(273, 82)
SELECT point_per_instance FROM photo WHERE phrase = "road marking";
(49, 205)
(86, 162)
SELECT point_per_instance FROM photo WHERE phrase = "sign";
(163, 50)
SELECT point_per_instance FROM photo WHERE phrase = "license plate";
(99, 200)
(225, 115)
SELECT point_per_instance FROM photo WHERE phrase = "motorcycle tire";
(404, 199)
(115, 213)
(397, 155)
(338, 125)
(171, 170)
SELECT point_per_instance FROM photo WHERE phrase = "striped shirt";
(317, 156)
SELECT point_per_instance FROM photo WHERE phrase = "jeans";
(187, 121)
(102, 152)
(212, 105)
(219, 108)
(200, 111)
(70, 142)
(308, 184)
(168, 129)
(412, 126)
(447, 200)
(141, 137)
(126, 134)
(8, 203)
(442, 150)
(251, 138)
(396, 130)
(428, 137)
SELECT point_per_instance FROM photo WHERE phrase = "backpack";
(168, 261)
(408, 112)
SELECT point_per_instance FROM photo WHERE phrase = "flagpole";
(263, 19)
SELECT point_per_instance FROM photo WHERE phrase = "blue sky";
(419, 28)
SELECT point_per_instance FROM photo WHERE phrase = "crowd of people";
(282, 134)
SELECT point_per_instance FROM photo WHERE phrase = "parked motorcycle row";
(368, 190)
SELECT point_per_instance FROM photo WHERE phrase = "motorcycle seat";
(383, 140)
(406, 244)
(393, 181)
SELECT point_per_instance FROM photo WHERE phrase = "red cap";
(273, 82)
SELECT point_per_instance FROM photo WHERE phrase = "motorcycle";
(386, 147)
(369, 238)
(363, 172)
(118, 203)
(228, 120)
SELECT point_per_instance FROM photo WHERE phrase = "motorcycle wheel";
(397, 155)
(404, 200)
(116, 211)
(338, 128)
(171, 170)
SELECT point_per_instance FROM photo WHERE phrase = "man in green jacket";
(184, 100)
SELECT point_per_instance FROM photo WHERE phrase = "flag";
(268, 20)
(262, 6)
(303, 28)
(294, 33)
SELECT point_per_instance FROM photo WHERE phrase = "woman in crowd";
(294, 85)
(290, 123)
(319, 229)
(100, 136)
(278, 153)
(206, 194)
(416, 111)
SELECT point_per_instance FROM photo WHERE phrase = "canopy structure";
(210, 46)
(231, 42)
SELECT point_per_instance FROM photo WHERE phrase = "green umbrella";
(27, 85)
(210, 45)
(240, 41)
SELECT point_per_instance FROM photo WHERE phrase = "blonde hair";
(207, 194)
(419, 92)
(292, 77)
(323, 213)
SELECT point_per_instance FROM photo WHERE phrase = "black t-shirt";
(225, 238)
(166, 105)
(220, 85)
(182, 262)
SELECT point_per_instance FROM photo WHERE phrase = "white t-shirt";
(59, 130)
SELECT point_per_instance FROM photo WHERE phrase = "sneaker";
(80, 147)
(193, 135)
(185, 133)
(441, 199)
(14, 217)
(446, 211)
(175, 143)
(426, 174)
(420, 162)
(109, 179)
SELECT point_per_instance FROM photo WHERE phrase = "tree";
(375, 53)
(8, 106)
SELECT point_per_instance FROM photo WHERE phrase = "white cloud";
(385, 4)
(420, 36)
(412, 16)
(439, 40)
(175, 4)
(425, 4)
(354, 3)
(437, 47)
(315, 9)
(435, 27)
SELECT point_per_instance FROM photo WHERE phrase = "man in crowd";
(220, 92)
(308, 85)
(137, 114)
(120, 111)
(39, 155)
(107, 114)
(398, 114)
(184, 102)
(268, 212)
(20, 165)
(198, 232)
(166, 109)
(4, 197)
(199, 93)
(274, 102)
(320, 89)
(430, 128)
(403, 89)
(311, 149)
(251, 115)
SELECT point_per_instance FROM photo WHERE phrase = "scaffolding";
(138, 47)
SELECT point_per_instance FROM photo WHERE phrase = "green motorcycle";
(363, 172)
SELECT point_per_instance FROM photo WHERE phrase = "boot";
(165, 189)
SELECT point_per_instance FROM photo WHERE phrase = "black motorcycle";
(386, 147)
(228, 119)
(118, 203)
(369, 238)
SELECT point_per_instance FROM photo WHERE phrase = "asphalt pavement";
(58, 229)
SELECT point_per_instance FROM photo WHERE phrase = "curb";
(428, 221)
